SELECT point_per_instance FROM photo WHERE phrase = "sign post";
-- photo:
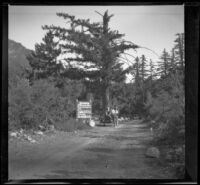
(84, 110)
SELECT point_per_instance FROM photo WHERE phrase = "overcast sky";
(153, 27)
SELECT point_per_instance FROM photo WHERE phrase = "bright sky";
(153, 27)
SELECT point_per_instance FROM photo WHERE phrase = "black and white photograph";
(96, 92)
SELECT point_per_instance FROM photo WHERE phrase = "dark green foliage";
(20, 105)
(167, 109)
(124, 96)
(31, 106)
(142, 77)
(165, 105)
(43, 60)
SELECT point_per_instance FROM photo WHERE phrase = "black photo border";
(192, 13)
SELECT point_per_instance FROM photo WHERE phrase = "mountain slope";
(17, 62)
(17, 53)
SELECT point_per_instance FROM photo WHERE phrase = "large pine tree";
(90, 51)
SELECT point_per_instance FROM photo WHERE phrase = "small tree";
(143, 70)
(151, 70)
(163, 64)
(172, 63)
(43, 60)
(136, 68)
(143, 73)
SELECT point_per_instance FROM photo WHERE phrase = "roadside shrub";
(66, 126)
(31, 106)
(71, 125)
(20, 108)
(45, 98)
(80, 125)
(166, 108)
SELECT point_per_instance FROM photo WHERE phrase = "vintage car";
(106, 119)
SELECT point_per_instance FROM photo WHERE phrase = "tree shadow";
(105, 125)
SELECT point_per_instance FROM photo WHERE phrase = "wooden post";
(76, 109)
(91, 108)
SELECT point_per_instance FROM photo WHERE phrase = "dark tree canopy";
(44, 60)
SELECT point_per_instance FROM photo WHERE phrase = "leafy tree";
(91, 52)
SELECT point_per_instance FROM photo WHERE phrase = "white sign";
(84, 109)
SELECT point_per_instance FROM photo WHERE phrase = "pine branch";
(98, 13)
(129, 55)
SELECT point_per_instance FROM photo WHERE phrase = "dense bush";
(20, 107)
(166, 107)
(31, 106)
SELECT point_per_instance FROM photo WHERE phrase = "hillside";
(17, 53)
(17, 62)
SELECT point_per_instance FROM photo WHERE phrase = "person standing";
(108, 114)
(115, 115)
(112, 115)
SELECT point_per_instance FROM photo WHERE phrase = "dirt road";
(101, 152)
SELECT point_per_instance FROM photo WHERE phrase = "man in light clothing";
(115, 115)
